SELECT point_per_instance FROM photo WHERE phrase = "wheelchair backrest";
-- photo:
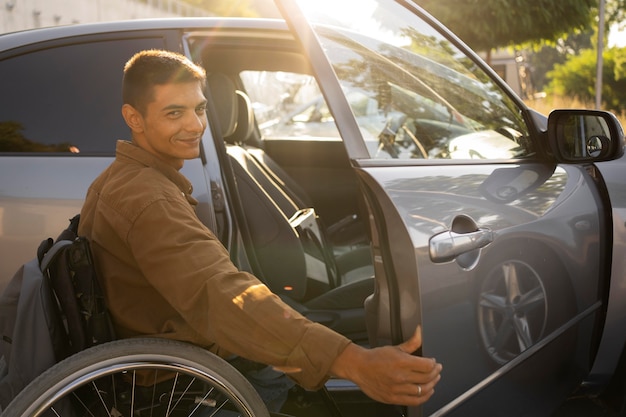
(52, 308)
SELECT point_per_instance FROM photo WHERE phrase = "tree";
(488, 24)
(542, 59)
(576, 78)
(615, 12)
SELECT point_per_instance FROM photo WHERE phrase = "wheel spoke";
(132, 397)
(522, 331)
(203, 402)
(169, 404)
(218, 408)
(84, 406)
(511, 281)
(492, 301)
(53, 409)
(100, 398)
(531, 300)
(182, 394)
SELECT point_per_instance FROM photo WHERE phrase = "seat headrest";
(245, 120)
(223, 93)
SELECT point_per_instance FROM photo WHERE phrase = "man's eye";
(201, 109)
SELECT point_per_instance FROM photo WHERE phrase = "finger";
(414, 343)
(411, 399)
(405, 391)
(416, 386)
(423, 371)
(429, 371)
(424, 390)
(429, 387)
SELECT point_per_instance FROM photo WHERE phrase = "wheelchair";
(141, 377)
(136, 377)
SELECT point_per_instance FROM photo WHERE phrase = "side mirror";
(577, 136)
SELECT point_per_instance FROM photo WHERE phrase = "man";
(166, 275)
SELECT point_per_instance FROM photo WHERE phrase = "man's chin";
(191, 150)
(194, 155)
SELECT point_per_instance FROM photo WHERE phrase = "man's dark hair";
(149, 68)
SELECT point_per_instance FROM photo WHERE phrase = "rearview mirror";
(584, 136)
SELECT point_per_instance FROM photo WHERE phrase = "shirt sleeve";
(193, 272)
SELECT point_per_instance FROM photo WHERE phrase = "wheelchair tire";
(102, 381)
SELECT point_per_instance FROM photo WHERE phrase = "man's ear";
(133, 118)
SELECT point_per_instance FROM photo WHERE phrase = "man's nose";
(196, 122)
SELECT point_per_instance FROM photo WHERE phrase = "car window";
(66, 99)
(288, 105)
(431, 100)
(291, 106)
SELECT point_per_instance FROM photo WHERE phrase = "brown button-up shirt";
(166, 275)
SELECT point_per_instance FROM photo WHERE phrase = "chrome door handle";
(448, 245)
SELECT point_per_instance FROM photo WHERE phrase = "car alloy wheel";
(512, 310)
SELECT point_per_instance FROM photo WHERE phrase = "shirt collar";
(129, 151)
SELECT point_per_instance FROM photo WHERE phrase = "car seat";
(288, 240)
(348, 231)
(346, 237)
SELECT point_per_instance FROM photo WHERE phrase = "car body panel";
(452, 298)
(444, 300)
(50, 191)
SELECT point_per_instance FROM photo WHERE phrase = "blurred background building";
(26, 14)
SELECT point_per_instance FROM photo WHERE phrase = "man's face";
(173, 123)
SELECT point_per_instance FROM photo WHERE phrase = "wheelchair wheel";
(139, 377)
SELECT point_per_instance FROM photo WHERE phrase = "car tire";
(105, 380)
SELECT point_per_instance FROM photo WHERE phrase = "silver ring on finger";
(419, 390)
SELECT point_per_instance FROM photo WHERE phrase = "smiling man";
(166, 275)
(169, 121)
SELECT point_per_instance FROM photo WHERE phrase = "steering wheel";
(387, 139)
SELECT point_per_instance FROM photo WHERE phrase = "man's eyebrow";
(180, 106)
(173, 107)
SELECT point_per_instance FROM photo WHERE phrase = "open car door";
(479, 236)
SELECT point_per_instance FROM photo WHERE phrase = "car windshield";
(431, 100)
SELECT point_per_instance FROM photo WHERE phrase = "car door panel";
(613, 337)
(553, 261)
(496, 253)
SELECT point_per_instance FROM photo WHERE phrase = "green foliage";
(489, 24)
(577, 76)
(615, 11)
(542, 59)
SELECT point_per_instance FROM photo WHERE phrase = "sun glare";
(350, 13)
(357, 15)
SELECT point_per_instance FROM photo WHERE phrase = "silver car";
(423, 192)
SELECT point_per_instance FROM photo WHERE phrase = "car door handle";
(448, 245)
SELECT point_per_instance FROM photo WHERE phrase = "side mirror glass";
(584, 136)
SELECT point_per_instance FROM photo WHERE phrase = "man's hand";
(390, 374)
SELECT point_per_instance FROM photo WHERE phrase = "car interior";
(296, 200)
(293, 249)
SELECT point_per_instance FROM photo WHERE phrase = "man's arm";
(390, 374)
